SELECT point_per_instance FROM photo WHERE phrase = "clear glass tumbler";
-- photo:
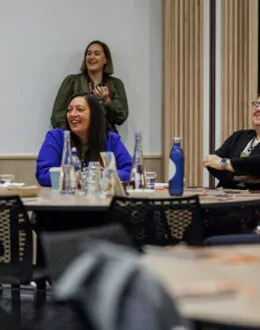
(150, 179)
(92, 179)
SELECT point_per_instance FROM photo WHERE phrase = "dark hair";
(108, 67)
(97, 128)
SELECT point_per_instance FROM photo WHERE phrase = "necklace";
(253, 144)
(92, 85)
(83, 156)
(82, 161)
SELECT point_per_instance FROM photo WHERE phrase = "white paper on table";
(11, 184)
(161, 185)
(110, 182)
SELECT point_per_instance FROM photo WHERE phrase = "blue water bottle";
(176, 168)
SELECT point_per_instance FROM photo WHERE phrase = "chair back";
(16, 252)
(60, 248)
(132, 298)
(159, 221)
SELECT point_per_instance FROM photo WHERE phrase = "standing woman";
(95, 77)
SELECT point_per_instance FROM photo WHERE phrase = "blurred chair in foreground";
(108, 289)
(60, 248)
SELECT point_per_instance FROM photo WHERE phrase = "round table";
(223, 211)
(208, 198)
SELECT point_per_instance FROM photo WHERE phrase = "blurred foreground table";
(183, 270)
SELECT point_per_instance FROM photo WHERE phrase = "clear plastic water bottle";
(67, 177)
(77, 164)
(176, 168)
(138, 169)
(93, 179)
(75, 160)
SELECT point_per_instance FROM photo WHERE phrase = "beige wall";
(239, 63)
(183, 85)
(184, 110)
(23, 167)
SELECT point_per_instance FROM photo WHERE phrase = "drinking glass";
(6, 178)
(150, 179)
(90, 179)
(55, 177)
(83, 181)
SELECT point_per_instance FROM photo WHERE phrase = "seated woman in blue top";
(86, 120)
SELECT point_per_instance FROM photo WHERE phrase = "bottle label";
(172, 169)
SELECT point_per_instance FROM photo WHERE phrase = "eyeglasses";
(256, 105)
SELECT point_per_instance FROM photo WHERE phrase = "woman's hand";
(102, 93)
(213, 161)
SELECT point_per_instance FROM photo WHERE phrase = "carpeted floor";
(23, 315)
(34, 312)
(37, 312)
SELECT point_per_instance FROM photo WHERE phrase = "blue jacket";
(51, 152)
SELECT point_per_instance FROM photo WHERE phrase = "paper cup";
(55, 177)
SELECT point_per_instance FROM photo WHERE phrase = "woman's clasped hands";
(213, 161)
(102, 93)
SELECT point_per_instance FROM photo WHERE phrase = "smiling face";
(256, 112)
(95, 58)
(78, 117)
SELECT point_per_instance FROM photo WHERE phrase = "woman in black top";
(236, 164)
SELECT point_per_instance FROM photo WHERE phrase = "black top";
(250, 165)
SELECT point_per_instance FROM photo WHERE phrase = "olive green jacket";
(116, 110)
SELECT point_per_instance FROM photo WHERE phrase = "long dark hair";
(97, 129)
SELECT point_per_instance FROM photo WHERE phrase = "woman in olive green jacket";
(95, 77)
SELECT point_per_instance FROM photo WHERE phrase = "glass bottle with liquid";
(77, 165)
(67, 177)
(138, 169)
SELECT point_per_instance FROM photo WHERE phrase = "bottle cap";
(73, 149)
(138, 133)
(177, 139)
(67, 133)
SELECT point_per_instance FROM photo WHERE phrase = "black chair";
(60, 248)
(159, 221)
(16, 252)
(16, 260)
(232, 239)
